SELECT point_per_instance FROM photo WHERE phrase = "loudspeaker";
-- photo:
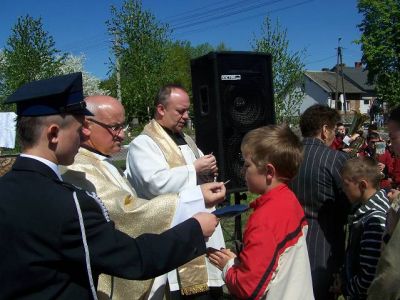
(232, 94)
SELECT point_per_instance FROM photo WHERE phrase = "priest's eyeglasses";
(116, 128)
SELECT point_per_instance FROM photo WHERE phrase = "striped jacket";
(318, 186)
(274, 262)
(366, 228)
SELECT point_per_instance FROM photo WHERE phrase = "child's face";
(255, 179)
(352, 189)
(341, 130)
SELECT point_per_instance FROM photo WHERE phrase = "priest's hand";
(208, 223)
(213, 193)
(206, 164)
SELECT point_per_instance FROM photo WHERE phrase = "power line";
(99, 40)
(254, 5)
(246, 18)
(90, 39)
(320, 60)
(205, 10)
(222, 15)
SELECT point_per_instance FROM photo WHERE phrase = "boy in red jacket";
(274, 261)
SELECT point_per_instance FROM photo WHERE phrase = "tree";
(140, 51)
(287, 68)
(179, 54)
(91, 84)
(29, 54)
(380, 43)
(2, 79)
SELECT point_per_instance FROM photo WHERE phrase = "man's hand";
(208, 223)
(213, 193)
(220, 258)
(206, 164)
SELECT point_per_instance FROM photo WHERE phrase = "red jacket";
(276, 229)
(395, 174)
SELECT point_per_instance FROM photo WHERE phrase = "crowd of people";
(75, 226)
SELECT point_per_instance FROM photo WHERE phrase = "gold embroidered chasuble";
(192, 276)
(130, 214)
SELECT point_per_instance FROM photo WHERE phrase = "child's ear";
(270, 170)
(363, 184)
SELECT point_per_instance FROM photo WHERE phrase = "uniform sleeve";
(252, 271)
(370, 250)
(115, 253)
(147, 170)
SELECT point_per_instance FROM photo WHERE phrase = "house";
(358, 76)
(350, 86)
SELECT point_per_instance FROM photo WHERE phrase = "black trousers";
(215, 293)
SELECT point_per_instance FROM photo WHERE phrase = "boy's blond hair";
(277, 145)
(362, 168)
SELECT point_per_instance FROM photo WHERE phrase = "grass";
(120, 164)
(228, 224)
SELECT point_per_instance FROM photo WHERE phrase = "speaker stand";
(238, 219)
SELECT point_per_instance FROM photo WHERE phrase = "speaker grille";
(232, 95)
(233, 160)
(245, 105)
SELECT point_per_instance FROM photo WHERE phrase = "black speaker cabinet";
(232, 95)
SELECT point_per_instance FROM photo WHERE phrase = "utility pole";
(339, 69)
(337, 74)
(341, 74)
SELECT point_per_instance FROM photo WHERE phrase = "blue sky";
(79, 27)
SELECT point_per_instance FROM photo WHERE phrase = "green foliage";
(287, 68)
(177, 63)
(29, 54)
(380, 43)
(147, 58)
(140, 47)
(110, 84)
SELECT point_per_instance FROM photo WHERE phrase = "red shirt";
(275, 225)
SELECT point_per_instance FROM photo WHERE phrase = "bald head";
(102, 104)
(106, 134)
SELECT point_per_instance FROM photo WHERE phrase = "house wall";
(367, 106)
(313, 94)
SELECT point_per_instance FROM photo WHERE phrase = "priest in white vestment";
(162, 159)
(94, 171)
